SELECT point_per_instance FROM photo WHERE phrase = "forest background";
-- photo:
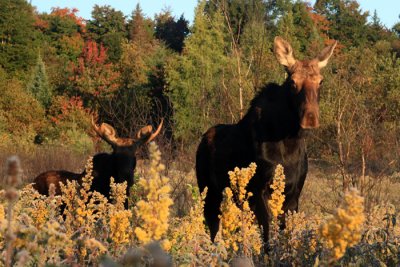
(57, 70)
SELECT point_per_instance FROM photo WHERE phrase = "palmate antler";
(143, 136)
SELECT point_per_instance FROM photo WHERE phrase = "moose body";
(272, 132)
(120, 164)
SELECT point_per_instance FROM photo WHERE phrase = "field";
(278, 82)
(164, 225)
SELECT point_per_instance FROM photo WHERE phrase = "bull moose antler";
(108, 134)
(145, 134)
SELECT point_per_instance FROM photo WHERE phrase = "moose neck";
(273, 115)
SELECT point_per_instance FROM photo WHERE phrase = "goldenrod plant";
(119, 218)
(275, 203)
(344, 228)
(238, 229)
(190, 242)
(92, 231)
(153, 211)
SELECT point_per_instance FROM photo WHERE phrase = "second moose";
(120, 164)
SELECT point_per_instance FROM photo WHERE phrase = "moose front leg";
(261, 212)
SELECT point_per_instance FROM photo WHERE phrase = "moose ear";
(325, 54)
(284, 52)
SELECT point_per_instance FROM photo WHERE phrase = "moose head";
(305, 80)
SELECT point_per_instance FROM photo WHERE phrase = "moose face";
(304, 79)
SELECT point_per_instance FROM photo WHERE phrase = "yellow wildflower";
(2, 213)
(118, 193)
(344, 228)
(277, 197)
(153, 211)
(238, 230)
(120, 229)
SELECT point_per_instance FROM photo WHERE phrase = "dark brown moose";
(120, 164)
(272, 132)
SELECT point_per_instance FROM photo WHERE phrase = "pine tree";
(39, 85)
(140, 29)
(108, 28)
(195, 78)
(18, 37)
(256, 44)
(348, 23)
(170, 31)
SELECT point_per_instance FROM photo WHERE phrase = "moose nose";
(310, 116)
(310, 120)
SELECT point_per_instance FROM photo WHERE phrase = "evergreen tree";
(63, 32)
(170, 31)
(107, 27)
(348, 23)
(377, 31)
(195, 78)
(396, 28)
(39, 85)
(256, 44)
(140, 29)
(18, 37)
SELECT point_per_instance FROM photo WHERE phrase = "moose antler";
(108, 134)
(145, 134)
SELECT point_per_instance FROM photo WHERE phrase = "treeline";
(57, 70)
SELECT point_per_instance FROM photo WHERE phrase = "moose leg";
(262, 215)
(211, 211)
(293, 203)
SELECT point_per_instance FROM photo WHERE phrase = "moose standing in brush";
(120, 164)
(271, 133)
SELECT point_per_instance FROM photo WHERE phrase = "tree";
(107, 27)
(63, 30)
(256, 44)
(18, 37)
(93, 77)
(239, 11)
(21, 114)
(39, 85)
(377, 31)
(170, 31)
(396, 28)
(140, 97)
(348, 23)
(195, 77)
(140, 29)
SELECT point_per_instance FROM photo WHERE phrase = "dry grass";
(42, 159)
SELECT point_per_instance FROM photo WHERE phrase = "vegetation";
(57, 70)
(95, 231)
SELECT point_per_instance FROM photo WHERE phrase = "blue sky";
(388, 10)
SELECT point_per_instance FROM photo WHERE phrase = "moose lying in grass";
(271, 133)
(120, 164)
